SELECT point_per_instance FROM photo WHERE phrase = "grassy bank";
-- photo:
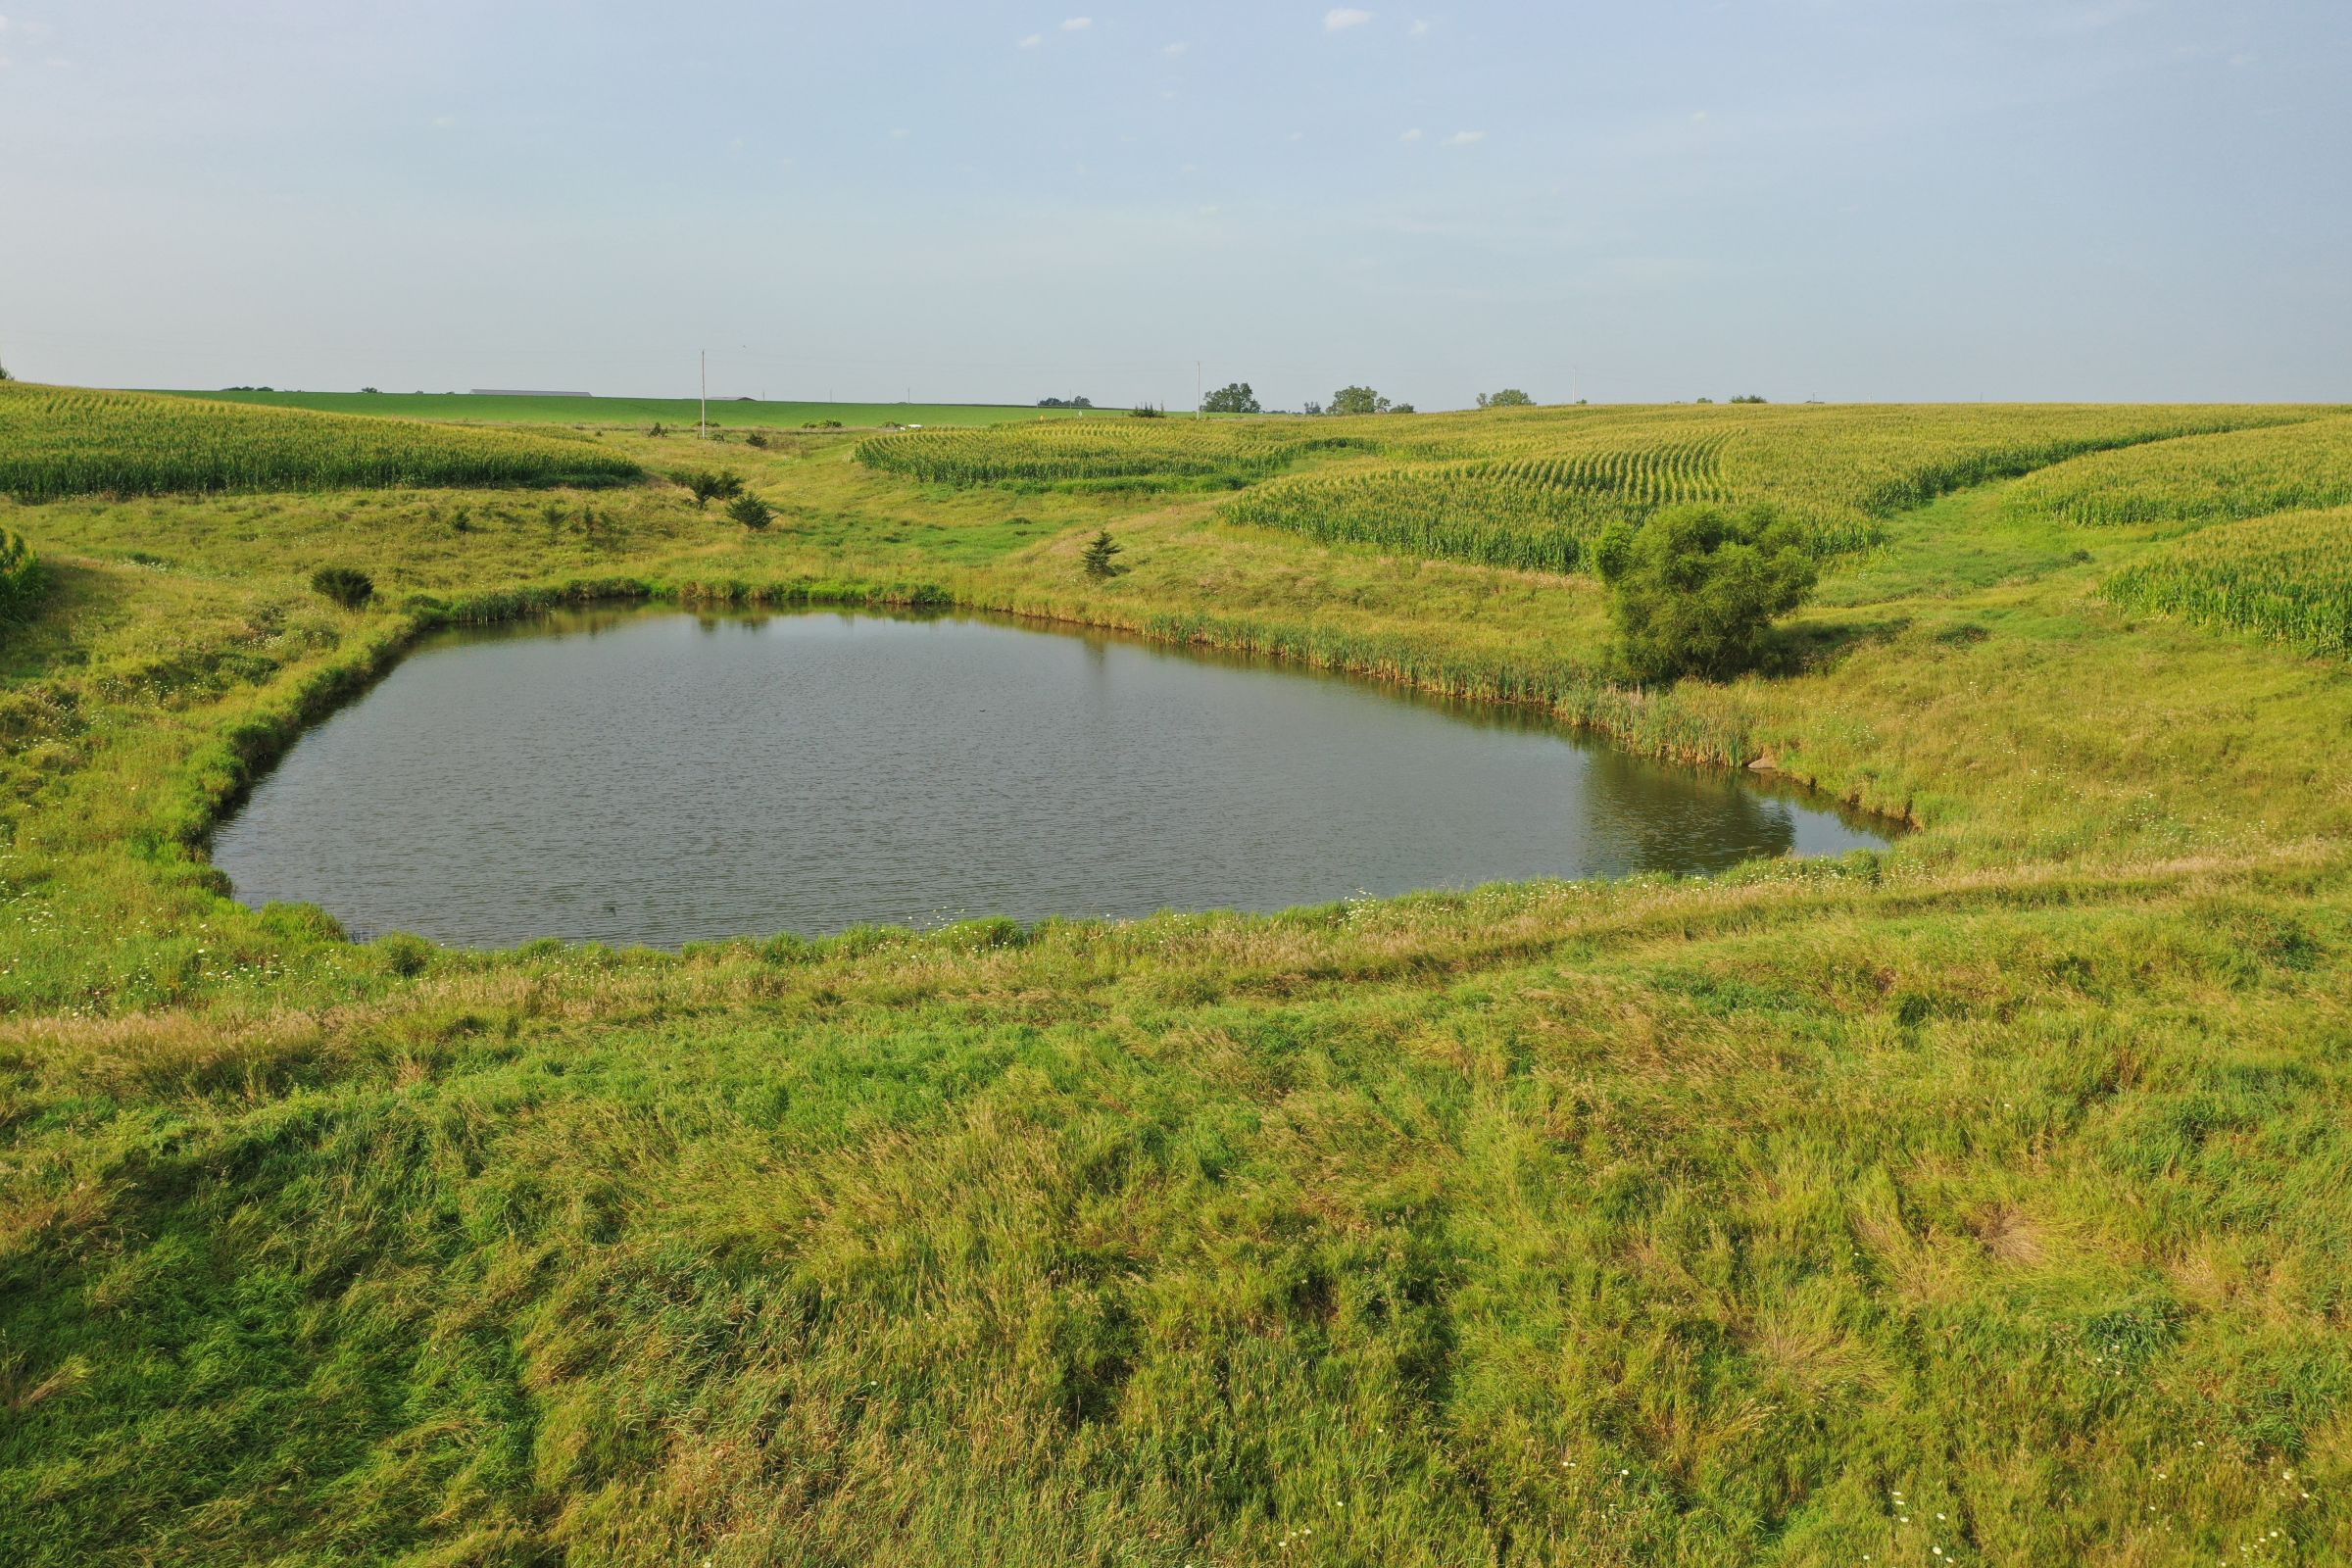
(1983, 1194)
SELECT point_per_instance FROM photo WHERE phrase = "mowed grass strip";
(62, 441)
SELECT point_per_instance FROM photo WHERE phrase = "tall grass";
(56, 441)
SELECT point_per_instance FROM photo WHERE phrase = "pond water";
(661, 777)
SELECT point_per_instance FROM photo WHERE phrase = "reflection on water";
(660, 777)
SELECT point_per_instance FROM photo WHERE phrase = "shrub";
(345, 585)
(19, 574)
(1510, 397)
(1693, 590)
(1097, 558)
(752, 511)
(756, 438)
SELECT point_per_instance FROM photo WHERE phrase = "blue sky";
(1836, 199)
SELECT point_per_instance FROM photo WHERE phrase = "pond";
(658, 777)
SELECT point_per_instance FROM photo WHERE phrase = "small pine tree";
(345, 586)
(752, 511)
(1098, 555)
(709, 486)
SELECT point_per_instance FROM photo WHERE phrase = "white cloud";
(1341, 17)
(1419, 30)
(1464, 138)
(444, 121)
(1174, 49)
(1033, 40)
(901, 133)
(1077, 24)
(1410, 135)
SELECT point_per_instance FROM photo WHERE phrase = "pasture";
(1977, 1201)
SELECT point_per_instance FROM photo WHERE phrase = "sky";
(1646, 200)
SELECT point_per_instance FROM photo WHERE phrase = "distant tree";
(1235, 398)
(1750, 398)
(752, 511)
(1510, 397)
(344, 585)
(369, 391)
(1400, 408)
(3, 375)
(1097, 558)
(1065, 403)
(1147, 410)
(1703, 400)
(1312, 408)
(1358, 399)
(1693, 590)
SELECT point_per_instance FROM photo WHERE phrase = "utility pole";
(706, 394)
(1199, 393)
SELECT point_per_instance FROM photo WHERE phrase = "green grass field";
(1980, 1200)
(677, 413)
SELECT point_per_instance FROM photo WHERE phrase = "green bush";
(20, 573)
(1693, 590)
(345, 585)
(752, 511)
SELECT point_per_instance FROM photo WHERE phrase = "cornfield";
(57, 441)
(1533, 487)
(1066, 450)
(2287, 577)
(2245, 473)
(1538, 514)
